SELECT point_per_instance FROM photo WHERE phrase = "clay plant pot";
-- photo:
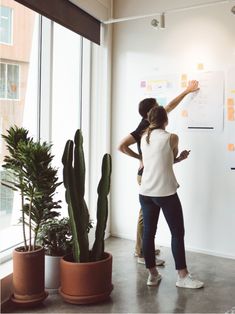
(28, 277)
(85, 283)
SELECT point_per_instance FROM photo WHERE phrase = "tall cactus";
(74, 182)
(102, 208)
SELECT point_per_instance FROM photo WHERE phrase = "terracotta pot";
(28, 276)
(85, 283)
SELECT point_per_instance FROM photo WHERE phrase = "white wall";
(207, 192)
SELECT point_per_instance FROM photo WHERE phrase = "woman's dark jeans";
(172, 211)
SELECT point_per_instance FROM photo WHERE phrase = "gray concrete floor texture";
(132, 295)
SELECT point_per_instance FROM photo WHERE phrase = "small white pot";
(52, 273)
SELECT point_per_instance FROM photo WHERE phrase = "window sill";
(6, 269)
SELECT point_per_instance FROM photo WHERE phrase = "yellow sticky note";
(184, 113)
(233, 91)
(184, 77)
(183, 84)
(149, 88)
(231, 147)
(230, 114)
(200, 66)
(230, 102)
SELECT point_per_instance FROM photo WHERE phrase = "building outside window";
(18, 101)
(6, 31)
(9, 81)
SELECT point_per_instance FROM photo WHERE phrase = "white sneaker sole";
(187, 287)
(155, 282)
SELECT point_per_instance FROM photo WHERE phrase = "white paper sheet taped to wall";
(203, 110)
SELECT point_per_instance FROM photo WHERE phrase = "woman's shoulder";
(173, 135)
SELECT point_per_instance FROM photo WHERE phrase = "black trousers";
(172, 210)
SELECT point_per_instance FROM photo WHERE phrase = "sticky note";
(143, 84)
(184, 113)
(230, 114)
(233, 91)
(230, 102)
(184, 77)
(231, 147)
(200, 66)
(149, 88)
(183, 84)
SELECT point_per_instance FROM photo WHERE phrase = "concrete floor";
(131, 295)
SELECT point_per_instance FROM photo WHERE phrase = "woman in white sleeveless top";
(158, 191)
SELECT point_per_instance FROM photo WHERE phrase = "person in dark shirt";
(134, 138)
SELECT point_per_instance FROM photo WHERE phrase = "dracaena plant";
(32, 175)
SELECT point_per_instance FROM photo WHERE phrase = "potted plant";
(56, 238)
(86, 275)
(29, 163)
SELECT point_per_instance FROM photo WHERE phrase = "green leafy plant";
(55, 236)
(29, 166)
(74, 182)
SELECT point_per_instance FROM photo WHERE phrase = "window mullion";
(6, 81)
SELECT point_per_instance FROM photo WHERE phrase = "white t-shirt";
(158, 178)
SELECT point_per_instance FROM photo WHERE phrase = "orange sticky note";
(230, 114)
(184, 113)
(231, 147)
(183, 84)
(200, 66)
(230, 102)
(184, 77)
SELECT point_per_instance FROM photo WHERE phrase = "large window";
(9, 81)
(18, 104)
(66, 93)
(6, 29)
(45, 87)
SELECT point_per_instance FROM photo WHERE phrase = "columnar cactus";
(74, 182)
(102, 208)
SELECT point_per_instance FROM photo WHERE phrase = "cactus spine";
(74, 182)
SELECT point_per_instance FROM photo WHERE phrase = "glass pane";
(19, 74)
(5, 25)
(12, 81)
(66, 93)
(2, 80)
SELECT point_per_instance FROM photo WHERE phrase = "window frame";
(12, 28)
(6, 82)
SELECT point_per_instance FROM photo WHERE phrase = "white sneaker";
(189, 282)
(159, 262)
(153, 280)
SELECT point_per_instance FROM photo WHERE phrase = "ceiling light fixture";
(162, 21)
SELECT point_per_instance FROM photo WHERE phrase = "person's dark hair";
(145, 105)
(157, 118)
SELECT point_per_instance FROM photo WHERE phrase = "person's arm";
(174, 141)
(192, 87)
(125, 144)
